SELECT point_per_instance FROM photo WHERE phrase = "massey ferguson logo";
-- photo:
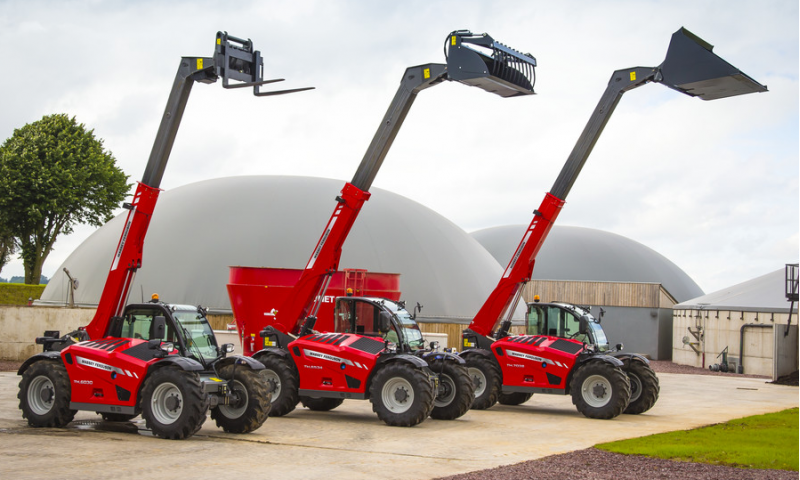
(102, 366)
(332, 358)
(533, 358)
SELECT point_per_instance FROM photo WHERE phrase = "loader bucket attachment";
(692, 68)
(479, 61)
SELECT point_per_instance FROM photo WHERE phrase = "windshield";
(411, 331)
(599, 336)
(197, 334)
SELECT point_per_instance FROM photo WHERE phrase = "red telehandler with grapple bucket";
(513, 367)
(404, 382)
(158, 360)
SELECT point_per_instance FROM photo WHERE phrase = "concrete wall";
(20, 325)
(720, 329)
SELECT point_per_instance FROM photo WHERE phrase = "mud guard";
(49, 355)
(447, 356)
(241, 360)
(183, 363)
(476, 351)
(627, 357)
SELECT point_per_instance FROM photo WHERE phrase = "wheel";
(44, 395)
(514, 398)
(456, 391)
(600, 390)
(321, 404)
(254, 401)
(173, 403)
(487, 380)
(282, 384)
(644, 387)
(116, 417)
(401, 395)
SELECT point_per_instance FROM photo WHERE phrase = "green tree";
(54, 174)
(7, 247)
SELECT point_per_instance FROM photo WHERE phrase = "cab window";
(139, 324)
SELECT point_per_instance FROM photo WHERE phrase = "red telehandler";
(513, 367)
(404, 382)
(158, 360)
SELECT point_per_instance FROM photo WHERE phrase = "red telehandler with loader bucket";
(517, 366)
(158, 360)
(404, 382)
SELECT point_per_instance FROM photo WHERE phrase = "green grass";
(18, 294)
(763, 441)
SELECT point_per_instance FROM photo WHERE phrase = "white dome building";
(199, 230)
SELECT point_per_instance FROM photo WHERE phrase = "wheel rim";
(479, 380)
(596, 391)
(231, 411)
(447, 391)
(273, 383)
(636, 386)
(167, 403)
(41, 395)
(397, 395)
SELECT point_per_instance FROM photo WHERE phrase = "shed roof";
(766, 293)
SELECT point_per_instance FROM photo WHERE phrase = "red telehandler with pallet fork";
(513, 367)
(404, 382)
(158, 360)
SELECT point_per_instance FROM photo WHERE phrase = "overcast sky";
(713, 186)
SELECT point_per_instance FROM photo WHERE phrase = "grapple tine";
(692, 68)
(480, 61)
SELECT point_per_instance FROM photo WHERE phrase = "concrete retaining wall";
(20, 325)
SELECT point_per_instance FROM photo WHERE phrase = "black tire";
(255, 401)
(644, 387)
(173, 403)
(321, 404)
(487, 380)
(117, 417)
(44, 395)
(282, 384)
(514, 398)
(456, 391)
(401, 395)
(600, 390)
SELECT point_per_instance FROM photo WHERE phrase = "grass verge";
(763, 441)
(18, 293)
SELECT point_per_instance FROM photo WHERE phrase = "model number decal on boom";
(533, 358)
(103, 366)
(332, 358)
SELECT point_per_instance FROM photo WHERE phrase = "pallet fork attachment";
(235, 59)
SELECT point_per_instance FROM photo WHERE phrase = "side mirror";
(583, 325)
(384, 322)
(159, 328)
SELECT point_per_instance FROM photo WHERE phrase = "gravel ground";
(594, 464)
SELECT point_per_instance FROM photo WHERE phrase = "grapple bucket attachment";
(479, 61)
(692, 68)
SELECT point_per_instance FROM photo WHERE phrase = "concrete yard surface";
(351, 443)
